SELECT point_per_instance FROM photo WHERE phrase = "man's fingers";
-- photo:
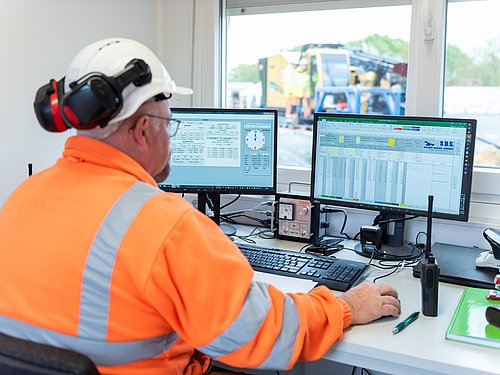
(387, 290)
(389, 302)
(390, 310)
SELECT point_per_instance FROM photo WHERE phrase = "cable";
(252, 209)
(327, 209)
(399, 265)
(230, 219)
(210, 204)
(384, 264)
(231, 216)
(303, 248)
(377, 220)
(417, 244)
(371, 256)
(256, 232)
(363, 371)
(386, 275)
(230, 203)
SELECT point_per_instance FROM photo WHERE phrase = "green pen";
(405, 323)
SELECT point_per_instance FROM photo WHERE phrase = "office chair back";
(23, 357)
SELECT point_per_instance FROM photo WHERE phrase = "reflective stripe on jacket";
(99, 260)
(95, 294)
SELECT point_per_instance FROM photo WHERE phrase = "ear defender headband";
(93, 100)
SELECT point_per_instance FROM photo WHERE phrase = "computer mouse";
(493, 315)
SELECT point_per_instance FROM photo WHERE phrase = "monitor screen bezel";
(271, 190)
(467, 178)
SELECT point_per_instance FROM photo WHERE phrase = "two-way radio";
(429, 271)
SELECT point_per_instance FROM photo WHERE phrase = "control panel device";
(297, 218)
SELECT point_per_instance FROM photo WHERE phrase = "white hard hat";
(109, 57)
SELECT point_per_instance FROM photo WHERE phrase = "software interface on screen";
(225, 151)
(394, 163)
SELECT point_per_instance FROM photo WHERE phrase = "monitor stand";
(212, 200)
(386, 252)
(392, 247)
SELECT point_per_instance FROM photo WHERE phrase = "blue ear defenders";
(93, 100)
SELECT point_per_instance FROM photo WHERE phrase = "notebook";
(469, 323)
(457, 265)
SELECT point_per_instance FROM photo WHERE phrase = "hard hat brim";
(182, 91)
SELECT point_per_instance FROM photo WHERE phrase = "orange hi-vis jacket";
(95, 258)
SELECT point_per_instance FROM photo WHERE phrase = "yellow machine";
(343, 79)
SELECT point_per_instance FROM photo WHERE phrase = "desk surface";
(419, 349)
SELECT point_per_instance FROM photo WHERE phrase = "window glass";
(347, 61)
(472, 73)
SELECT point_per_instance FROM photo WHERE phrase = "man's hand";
(369, 301)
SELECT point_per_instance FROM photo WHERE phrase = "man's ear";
(139, 130)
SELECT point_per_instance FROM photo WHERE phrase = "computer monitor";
(392, 164)
(223, 151)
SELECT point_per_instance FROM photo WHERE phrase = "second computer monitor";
(393, 163)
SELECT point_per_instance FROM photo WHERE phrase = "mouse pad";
(457, 265)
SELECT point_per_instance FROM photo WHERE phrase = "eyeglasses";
(172, 124)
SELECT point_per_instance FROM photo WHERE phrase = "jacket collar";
(85, 149)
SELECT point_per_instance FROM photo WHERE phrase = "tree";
(382, 46)
(244, 73)
(489, 67)
(460, 68)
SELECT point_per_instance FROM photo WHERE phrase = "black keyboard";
(336, 274)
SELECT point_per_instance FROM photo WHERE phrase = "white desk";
(421, 348)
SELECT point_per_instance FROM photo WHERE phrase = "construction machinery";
(339, 79)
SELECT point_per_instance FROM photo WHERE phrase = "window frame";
(425, 83)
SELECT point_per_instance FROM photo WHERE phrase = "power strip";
(297, 218)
